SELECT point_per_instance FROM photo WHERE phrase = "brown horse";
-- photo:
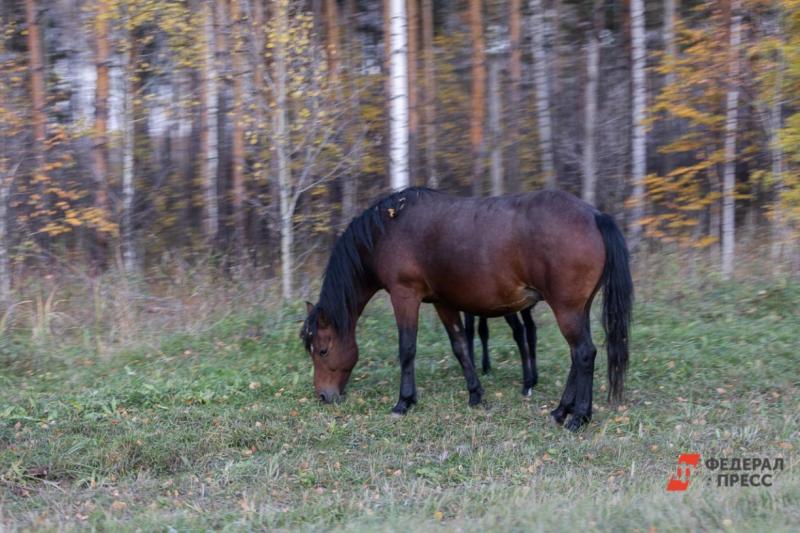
(485, 256)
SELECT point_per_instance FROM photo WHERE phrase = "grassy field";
(218, 427)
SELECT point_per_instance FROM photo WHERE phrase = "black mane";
(346, 271)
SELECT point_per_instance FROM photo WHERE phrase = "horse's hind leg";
(577, 397)
(483, 332)
(519, 337)
(451, 319)
(530, 336)
(469, 331)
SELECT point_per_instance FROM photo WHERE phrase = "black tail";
(617, 303)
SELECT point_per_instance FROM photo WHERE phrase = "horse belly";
(486, 296)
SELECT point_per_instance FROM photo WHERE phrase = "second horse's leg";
(451, 319)
(519, 337)
(530, 336)
(483, 332)
(469, 331)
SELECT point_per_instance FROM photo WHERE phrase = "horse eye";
(323, 352)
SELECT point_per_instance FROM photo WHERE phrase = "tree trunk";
(413, 108)
(542, 83)
(514, 100)
(398, 96)
(350, 180)
(236, 46)
(259, 242)
(282, 150)
(669, 36)
(639, 155)
(669, 124)
(129, 259)
(590, 108)
(496, 168)
(5, 267)
(36, 68)
(478, 94)
(209, 144)
(731, 125)
(100, 146)
(430, 93)
(332, 43)
(38, 118)
(780, 232)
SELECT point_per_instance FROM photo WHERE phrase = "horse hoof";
(487, 369)
(558, 415)
(527, 392)
(400, 409)
(474, 398)
(576, 423)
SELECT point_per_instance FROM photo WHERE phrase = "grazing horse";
(527, 352)
(485, 256)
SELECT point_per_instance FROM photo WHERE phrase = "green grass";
(220, 429)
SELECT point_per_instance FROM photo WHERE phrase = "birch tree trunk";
(413, 108)
(129, 260)
(590, 110)
(281, 14)
(236, 45)
(639, 154)
(496, 159)
(398, 96)
(5, 269)
(478, 94)
(731, 125)
(430, 93)
(515, 77)
(542, 83)
(209, 143)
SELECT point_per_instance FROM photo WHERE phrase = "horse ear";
(322, 320)
(309, 307)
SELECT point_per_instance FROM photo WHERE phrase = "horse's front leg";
(451, 319)
(406, 314)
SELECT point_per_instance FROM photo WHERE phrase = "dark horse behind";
(485, 256)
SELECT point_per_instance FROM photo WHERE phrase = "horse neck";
(367, 291)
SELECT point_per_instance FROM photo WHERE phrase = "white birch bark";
(398, 96)
(282, 152)
(496, 169)
(590, 117)
(731, 124)
(212, 147)
(128, 147)
(639, 154)
(542, 83)
(5, 269)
